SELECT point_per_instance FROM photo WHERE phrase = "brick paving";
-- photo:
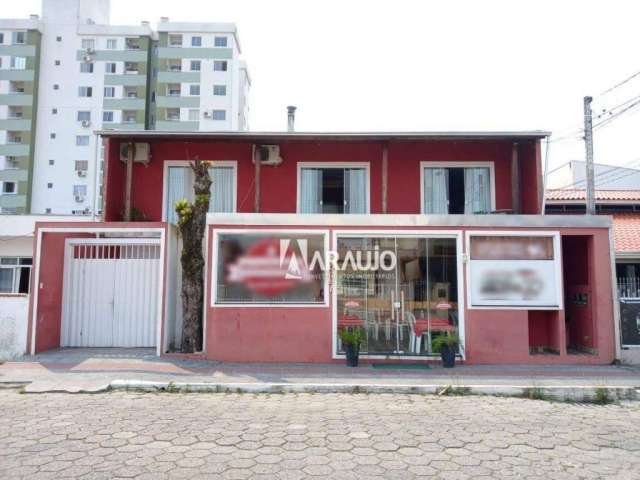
(337, 436)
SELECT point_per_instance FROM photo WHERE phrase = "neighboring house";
(572, 176)
(70, 72)
(624, 208)
(16, 264)
(407, 235)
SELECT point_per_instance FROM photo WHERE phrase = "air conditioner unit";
(267, 154)
(88, 58)
(85, 123)
(207, 114)
(90, 51)
(79, 198)
(142, 152)
(82, 173)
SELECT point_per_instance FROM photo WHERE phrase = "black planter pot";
(352, 353)
(448, 355)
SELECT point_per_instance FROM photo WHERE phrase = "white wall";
(13, 325)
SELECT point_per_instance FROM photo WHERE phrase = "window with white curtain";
(180, 185)
(456, 190)
(333, 190)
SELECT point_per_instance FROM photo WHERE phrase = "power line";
(617, 85)
(616, 115)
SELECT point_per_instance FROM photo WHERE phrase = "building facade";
(70, 72)
(623, 206)
(408, 236)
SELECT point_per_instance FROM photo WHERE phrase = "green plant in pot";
(351, 338)
(447, 344)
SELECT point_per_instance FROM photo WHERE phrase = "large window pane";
(180, 185)
(261, 268)
(333, 190)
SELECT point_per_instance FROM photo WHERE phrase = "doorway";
(401, 290)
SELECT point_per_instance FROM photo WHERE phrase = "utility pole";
(588, 144)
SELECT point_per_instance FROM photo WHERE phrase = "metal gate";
(110, 293)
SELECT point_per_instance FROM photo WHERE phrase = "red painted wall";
(50, 280)
(283, 334)
(279, 184)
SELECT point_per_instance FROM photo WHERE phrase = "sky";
(369, 65)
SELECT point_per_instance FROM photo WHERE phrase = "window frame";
(213, 114)
(218, 37)
(225, 62)
(256, 231)
(459, 164)
(88, 90)
(196, 41)
(192, 63)
(78, 137)
(15, 188)
(112, 44)
(220, 86)
(185, 163)
(109, 70)
(333, 165)
(112, 115)
(17, 268)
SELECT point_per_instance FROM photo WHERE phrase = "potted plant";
(447, 345)
(351, 338)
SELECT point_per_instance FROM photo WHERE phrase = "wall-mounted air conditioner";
(142, 152)
(85, 123)
(82, 173)
(267, 154)
(207, 114)
(79, 198)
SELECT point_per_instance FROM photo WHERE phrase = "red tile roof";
(626, 231)
(559, 195)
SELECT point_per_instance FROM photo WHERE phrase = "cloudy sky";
(428, 65)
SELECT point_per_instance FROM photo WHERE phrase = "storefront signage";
(513, 271)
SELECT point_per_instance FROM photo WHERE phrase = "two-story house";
(406, 235)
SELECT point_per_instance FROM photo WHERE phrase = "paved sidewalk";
(89, 370)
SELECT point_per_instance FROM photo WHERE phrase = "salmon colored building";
(409, 236)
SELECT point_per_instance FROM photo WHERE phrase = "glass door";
(400, 290)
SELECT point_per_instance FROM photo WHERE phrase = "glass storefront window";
(270, 268)
(401, 290)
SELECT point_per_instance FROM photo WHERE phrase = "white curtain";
(436, 190)
(180, 185)
(476, 191)
(355, 190)
(222, 189)
(311, 190)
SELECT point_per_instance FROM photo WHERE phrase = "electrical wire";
(619, 84)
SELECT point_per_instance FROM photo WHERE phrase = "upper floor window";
(18, 38)
(107, 116)
(179, 185)
(9, 188)
(219, 115)
(88, 43)
(1, 38)
(110, 67)
(196, 41)
(329, 189)
(18, 63)
(84, 116)
(220, 41)
(220, 90)
(86, 67)
(175, 40)
(112, 44)
(195, 65)
(220, 65)
(82, 140)
(194, 90)
(15, 273)
(194, 115)
(109, 92)
(85, 91)
(457, 189)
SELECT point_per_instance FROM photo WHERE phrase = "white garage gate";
(111, 293)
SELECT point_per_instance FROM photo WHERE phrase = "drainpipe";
(291, 118)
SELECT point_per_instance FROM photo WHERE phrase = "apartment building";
(70, 72)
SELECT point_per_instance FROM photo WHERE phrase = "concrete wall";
(631, 356)
(13, 325)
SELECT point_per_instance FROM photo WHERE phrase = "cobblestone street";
(131, 435)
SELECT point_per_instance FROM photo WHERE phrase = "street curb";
(586, 393)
